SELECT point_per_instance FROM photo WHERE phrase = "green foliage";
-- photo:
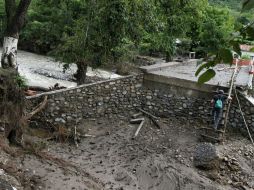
(179, 16)
(248, 4)
(48, 21)
(232, 4)
(245, 57)
(206, 76)
(106, 32)
(246, 32)
(215, 30)
(21, 81)
(2, 20)
(98, 35)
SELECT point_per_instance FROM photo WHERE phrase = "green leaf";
(206, 76)
(226, 55)
(203, 66)
(247, 5)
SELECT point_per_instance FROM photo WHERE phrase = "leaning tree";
(15, 21)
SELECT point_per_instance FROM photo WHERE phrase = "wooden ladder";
(208, 133)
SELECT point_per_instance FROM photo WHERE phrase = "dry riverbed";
(158, 159)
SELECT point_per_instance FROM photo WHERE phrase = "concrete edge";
(183, 83)
(80, 86)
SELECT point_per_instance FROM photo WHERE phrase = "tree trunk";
(81, 72)
(15, 22)
(9, 53)
(13, 101)
(168, 57)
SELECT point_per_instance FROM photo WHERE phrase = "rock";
(206, 157)
(60, 120)
(149, 97)
(5, 185)
(225, 159)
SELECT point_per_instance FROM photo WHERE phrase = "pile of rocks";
(232, 173)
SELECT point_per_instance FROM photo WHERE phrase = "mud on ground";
(158, 159)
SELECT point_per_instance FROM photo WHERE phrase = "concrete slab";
(160, 65)
(243, 76)
(187, 71)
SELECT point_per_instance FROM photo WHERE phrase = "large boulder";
(206, 157)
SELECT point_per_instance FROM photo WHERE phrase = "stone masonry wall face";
(235, 117)
(120, 97)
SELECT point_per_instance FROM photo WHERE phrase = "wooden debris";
(87, 135)
(154, 119)
(139, 128)
(37, 109)
(75, 136)
(148, 114)
(137, 121)
(30, 93)
(135, 116)
(38, 88)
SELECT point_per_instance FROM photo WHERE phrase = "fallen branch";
(137, 121)
(139, 128)
(148, 114)
(86, 135)
(75, 136)
(135, 116)
(38, 88)
(154, 119)
(37, 109)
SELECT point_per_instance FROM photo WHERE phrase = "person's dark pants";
(217, 113)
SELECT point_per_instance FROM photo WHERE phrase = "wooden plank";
(137, 121)
(208, 128)
(212, 138)
(154, 119)
(135, 116)
(139, 128)
(148, 114)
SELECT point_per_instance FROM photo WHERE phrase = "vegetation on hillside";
(93, 33)
(232, 4)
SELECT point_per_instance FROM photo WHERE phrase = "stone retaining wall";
(101, 99)
(120, 97)
(235, 116)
